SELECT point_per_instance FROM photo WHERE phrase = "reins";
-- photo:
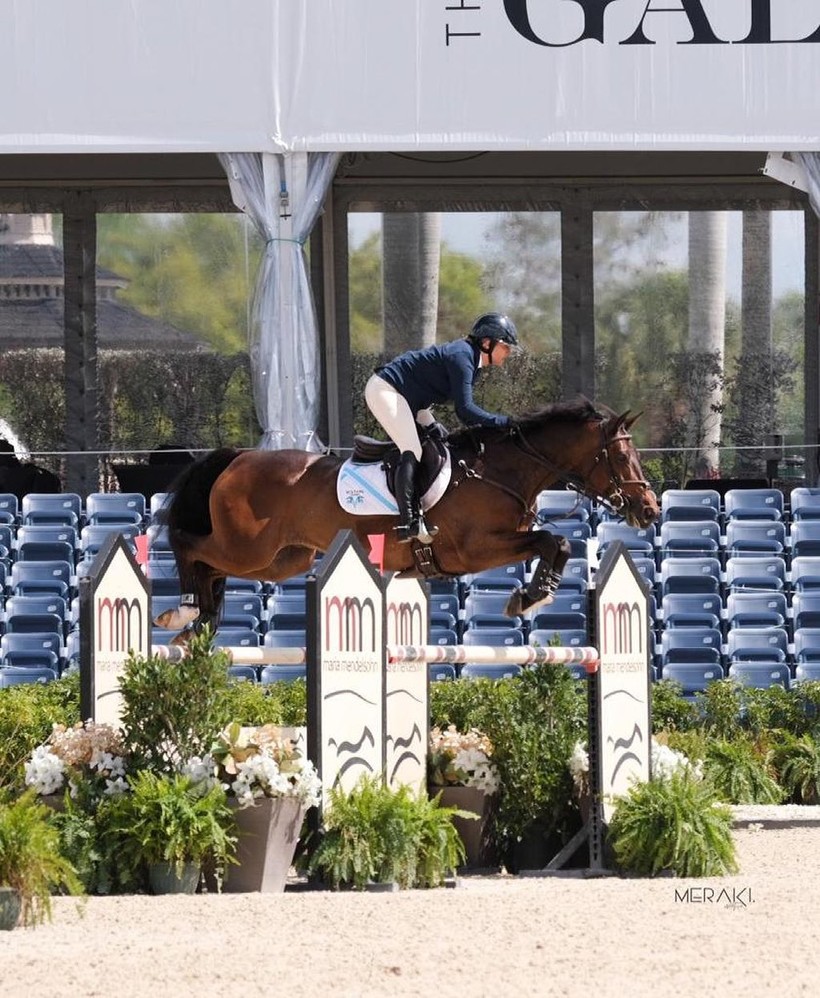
(615, 500)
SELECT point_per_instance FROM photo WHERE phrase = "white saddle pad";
(362, 489)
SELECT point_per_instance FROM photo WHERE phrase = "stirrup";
(416, 530)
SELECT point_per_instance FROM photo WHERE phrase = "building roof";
(28, 262)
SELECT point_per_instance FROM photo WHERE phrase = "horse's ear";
(628, 421)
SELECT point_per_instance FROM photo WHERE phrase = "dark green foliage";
(670, 711)
(796, 763)
(738, 775)
(171, 711)
(27, 715)
(673, 824)
(276, 703)
(375, 834)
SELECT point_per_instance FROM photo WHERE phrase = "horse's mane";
(580, 410)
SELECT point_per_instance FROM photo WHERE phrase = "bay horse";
(264, 515)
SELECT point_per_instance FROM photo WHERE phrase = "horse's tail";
(186, 512)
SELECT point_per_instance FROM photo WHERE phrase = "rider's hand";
(437, 431)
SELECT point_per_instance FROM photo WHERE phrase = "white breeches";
(394, 414)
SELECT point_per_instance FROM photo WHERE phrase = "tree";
(411, 244)
(707, 307)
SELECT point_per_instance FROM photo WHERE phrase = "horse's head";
(616, 476)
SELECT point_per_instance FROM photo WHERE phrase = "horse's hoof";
(175, 620)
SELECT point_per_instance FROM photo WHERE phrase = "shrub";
(796, 761)
(673, 824)
(670, 711)
(375, 834)
(172, 710)
(27, 715)
(738, 775)
(720, 705)
(278, 703)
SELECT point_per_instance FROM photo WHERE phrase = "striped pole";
(478, 654)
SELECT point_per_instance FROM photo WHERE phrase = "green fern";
(673, 824)
(738, 775)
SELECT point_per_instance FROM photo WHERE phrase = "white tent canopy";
(320, 75)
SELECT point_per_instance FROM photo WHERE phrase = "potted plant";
(375, 836)
(461, 771)
(31, 865)
(271, 786)
(85, 759)
(171, 824)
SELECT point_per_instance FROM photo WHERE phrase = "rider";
(399, 395)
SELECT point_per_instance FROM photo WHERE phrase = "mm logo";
(405, 625)
(623, 629)
(350, 616)
(125, 625)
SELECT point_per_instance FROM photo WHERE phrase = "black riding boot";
(412, 526)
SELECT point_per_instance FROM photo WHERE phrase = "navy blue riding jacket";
(442, 373)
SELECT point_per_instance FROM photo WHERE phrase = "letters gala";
(349, 614)
(760, 23)
(404, 623)
(623, 629)
(121, 635)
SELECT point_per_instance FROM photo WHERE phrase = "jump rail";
(479, 654)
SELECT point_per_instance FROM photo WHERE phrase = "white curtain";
(283, 194)
(810, 161)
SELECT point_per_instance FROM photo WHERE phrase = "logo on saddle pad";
(362, 487)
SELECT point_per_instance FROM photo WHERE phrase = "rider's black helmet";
(494, 326)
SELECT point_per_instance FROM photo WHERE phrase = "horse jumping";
(265, 514)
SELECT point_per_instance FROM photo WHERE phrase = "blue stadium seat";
(804, 503)
(756, 609)
(556, 507)
(805, 573)
(804, 538)
(237, 637)
(34, 641)
(164, 577)
(444, 603)
(558, 620)
(689, 575)
(58, 508)
(157, 504)
(29, 578)
(577, 535)
(93, 536)
(282, 674)
(287, 612)
(441, 619)
(760, 675)
(694, 677)
(568, 638)
(806, 672)
(753, 504)
(443, 636)
(690, 504)
(691, 610)
(504, 578)
(439, 672)
(496, 637)
(750, 572)
(807, 645)
(243, 673)
(115, 508)
(637, 540)
(755, 537)
(689, 538)
(18, 677)
(691, 644)
(283, 638)
(575, 577)
(757, 644)
(805, 610)
(159, 544)
(56, 542)
(487, 609)
(247, 603)
(9, 508)
(235, 584)
(27, 658)
(472, 670)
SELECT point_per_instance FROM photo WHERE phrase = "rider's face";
(500, 352)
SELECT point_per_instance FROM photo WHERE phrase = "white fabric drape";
(810, 161)
(283, 194)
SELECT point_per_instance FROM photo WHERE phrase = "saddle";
(368, 450)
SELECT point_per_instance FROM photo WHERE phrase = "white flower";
(201, 772)
(113, 788)
(579, 761)
(45, 771)
(667, 761)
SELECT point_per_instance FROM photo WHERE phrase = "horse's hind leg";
(553, 553)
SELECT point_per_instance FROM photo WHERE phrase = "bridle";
(615, 499)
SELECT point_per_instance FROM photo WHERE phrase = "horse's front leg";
(553, 553)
